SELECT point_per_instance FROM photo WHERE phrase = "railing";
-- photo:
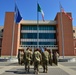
(34, 40)
(34, 46)
(40, 31)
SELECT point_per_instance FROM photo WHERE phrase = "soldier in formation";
(55, 58)
(20, 56)
(27, 59)
(51, 58)
(45, 60)
(37, 58)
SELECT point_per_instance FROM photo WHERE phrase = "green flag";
(40, 10)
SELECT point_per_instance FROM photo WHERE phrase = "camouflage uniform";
(37, 59)
(31, 56)
(51, 58)
(27, 59)
(55, 58)
(45, 59)
(20, 57)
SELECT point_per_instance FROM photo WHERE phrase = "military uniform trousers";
(36, 66)
(27, 65)
(21, 60)
(50, 61)
(45, 65)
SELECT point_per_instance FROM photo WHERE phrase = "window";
(73, 36)
(47, 27)
(29, 43)
(73, 31)
(47, 43)
(41, 35)
(28, 35)
(28, 27)
(47, 35)
(41, 27)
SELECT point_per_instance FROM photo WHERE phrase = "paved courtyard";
(63, 68)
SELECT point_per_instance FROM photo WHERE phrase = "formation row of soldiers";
(37, 58)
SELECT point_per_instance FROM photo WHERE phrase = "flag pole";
(37, 26)
(62, 31)
(12, 39)
(13, 30)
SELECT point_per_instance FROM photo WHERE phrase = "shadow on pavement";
(3, 60)
(21, 72)
(13, 64)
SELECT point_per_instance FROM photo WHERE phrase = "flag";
(18, 17)
(42, 49)
(62, 10)
(40, 10)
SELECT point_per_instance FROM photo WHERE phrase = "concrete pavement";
(63, 68)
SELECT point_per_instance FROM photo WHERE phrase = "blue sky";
(28, 9)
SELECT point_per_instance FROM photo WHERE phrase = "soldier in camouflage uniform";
(31, 62)
(51, 58)
(20, 57)
(27, 59)
(37, 57)
(45, 59)
(56, 58)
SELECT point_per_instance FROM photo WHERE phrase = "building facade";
(49, 34)
(74, 36)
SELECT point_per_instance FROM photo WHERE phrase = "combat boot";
(46, 71)
(37, 72)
